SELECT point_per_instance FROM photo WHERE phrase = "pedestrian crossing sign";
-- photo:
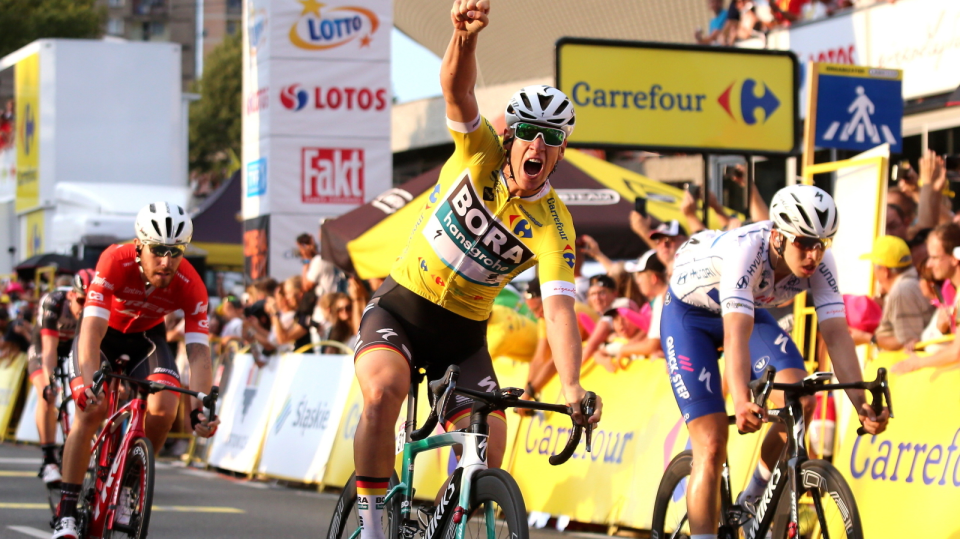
(858, 107)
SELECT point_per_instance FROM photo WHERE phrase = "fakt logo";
(332, 176)
(293, 97)
(750, 101)
(337, 26)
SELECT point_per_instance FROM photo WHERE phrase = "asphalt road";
(188, 503)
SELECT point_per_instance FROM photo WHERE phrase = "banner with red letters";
(316, 113)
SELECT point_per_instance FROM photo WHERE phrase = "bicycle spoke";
(820, 516)
(485, 523)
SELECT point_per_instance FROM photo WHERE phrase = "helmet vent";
(181, 213)
(806, 218)
(545, 101)
(526, 100)
(563, 106)
(153, 208)
(169, 226)
(823, 216)
(179, 229)
(156, 227)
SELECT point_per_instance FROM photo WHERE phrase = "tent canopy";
(217, 229)
(599, 195)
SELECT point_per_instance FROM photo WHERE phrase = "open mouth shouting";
(532, 167)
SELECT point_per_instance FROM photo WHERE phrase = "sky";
(414, 70)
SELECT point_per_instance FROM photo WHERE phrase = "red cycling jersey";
(118, 295)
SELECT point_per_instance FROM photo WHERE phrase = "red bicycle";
(116, 498)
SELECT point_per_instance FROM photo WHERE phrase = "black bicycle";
(477, 501)
(805, 498)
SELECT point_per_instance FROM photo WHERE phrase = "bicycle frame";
(113, 457)
(63, 414)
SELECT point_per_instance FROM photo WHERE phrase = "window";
(115, 26)
(156, 29)
(232, 27)
(116, 3)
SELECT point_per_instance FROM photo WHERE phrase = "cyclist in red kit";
(135, 286)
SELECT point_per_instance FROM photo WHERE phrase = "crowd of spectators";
(7, 126)
(746, 19)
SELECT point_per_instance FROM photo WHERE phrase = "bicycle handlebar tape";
(211, 401)
(571, 446)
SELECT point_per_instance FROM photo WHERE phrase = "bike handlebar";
(148, 386)
(878, 388)
(501, 399)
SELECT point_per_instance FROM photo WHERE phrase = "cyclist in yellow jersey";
(491, 215)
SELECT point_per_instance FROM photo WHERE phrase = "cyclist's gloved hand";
(873, 423)
(200, 425)
(750, 417)
(85, 398)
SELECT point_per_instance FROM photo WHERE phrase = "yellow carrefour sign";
(675, 97)
(27, 97)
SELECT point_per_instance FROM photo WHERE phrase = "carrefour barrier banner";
(11, 378)
(316, 110)
(907, 480)
(679, 97)
(306, 406)
(244, 413)
(640, 433)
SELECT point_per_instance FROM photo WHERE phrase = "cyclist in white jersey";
(721, 284)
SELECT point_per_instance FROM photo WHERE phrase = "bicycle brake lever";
(588, 407)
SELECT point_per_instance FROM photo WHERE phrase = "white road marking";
(32, 532)
(11, 460)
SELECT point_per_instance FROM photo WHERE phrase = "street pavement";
(187, 504)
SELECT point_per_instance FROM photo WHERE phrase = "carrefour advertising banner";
(316, 110)
(679, 97)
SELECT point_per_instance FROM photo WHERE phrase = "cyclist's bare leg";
(161, 413)
(384, 378)
(46, 413)
(76, 449)
(708, 435)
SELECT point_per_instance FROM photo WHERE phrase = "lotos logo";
(520, 228)
(337, 26)
(332, 176)
(750, 101)
(293, 98)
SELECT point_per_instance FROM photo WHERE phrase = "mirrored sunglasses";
(807, 243)
(529, 132)
(162, 250)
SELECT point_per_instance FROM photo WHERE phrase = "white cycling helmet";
(541, 105)
(162, 222)
(805, 210)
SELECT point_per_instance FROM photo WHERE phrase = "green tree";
(23, 21)
(215, 119)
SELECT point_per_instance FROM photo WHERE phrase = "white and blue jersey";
(716, 273)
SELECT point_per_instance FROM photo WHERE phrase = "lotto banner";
(912, 469)
(316, 109)
(306, 406)
(11, 380)
(703, 99)
(244, 414)
(640, 433)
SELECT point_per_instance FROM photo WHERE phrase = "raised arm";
(458, 72)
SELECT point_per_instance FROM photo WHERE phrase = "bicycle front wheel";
(346, 520)
(132, 516)
(826, 506)
(670, 506)
(496, 509)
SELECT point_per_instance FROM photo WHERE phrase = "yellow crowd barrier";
(12, 372)
(907, 480)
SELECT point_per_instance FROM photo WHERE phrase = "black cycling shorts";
(150, 357)
(429, 337)
(35, 358)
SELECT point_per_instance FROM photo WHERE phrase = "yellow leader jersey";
(472, 237)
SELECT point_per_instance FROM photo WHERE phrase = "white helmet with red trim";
(162, 222)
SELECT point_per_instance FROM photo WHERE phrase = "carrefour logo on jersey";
(321, 26)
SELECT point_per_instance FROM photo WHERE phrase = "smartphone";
(694, 190)
(640, 206)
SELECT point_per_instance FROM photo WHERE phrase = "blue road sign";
(859, 108)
